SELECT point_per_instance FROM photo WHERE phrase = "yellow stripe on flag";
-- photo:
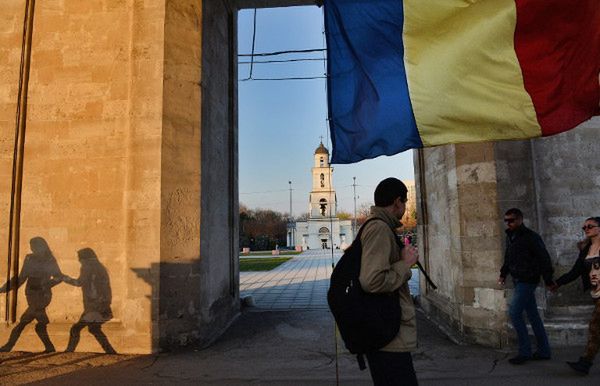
(463, 75)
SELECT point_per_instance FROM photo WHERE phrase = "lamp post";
(290, 182)
(291, 233)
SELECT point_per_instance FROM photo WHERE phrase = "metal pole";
(17, 170)
(292, 236)
(354, 222)
(290, 182)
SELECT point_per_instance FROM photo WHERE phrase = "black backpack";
(366, 321)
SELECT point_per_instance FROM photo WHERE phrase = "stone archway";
(130, 149)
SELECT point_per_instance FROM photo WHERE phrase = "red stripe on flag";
(558, 46)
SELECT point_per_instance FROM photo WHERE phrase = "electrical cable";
(268, 191)
(253, 45)
(275, 53)
(283, 61)
(290, 78)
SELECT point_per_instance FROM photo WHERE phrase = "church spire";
(322, 196)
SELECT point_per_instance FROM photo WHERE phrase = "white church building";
(323, 229)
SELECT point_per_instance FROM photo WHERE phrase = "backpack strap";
(361, 361)
(362, 227)
(360, 358)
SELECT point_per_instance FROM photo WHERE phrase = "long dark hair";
(586, 242)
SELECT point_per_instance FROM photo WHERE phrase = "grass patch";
(263, 253)
(261, 264)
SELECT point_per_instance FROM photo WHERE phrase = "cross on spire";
(321, 138)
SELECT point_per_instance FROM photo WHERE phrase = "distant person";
(587, 267)
(97, 297)
(386, 267)
(40, 273)
(525, 259)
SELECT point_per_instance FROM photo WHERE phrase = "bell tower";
(322, 197)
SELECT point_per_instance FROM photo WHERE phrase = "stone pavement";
(300, 283)
(287, 346)
(294, 347)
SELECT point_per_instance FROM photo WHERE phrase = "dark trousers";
(392, 368)
(593, 344)
(524, 301)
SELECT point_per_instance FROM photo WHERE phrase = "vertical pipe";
(17, 170)
(354, 219)
(423, 208)
(233, 152)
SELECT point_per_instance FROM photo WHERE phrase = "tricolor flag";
(406, 74)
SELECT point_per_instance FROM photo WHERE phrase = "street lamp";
(290, 225)
(290, 182)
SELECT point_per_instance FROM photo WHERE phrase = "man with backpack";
(386, 267)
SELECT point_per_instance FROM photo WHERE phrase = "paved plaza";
(289, 338)
(300, 283)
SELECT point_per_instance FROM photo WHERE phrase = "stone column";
(464, 191)
(461, 248)
(130, 152)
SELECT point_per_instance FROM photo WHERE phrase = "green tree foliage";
(262, 229)
(344, 215)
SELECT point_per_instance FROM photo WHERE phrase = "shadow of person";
(40, 273)
(97, 296)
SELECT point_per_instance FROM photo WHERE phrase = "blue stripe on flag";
(370, 113)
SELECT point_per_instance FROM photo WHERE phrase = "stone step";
(568, 326)
(570, 311)
(565, 326)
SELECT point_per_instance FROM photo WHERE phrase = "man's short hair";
(388, 190)
(514, 211)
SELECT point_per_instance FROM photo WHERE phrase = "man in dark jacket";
(526, 259)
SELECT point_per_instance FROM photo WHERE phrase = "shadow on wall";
(40, 273)
(190, 308)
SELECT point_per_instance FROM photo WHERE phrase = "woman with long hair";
(587, 267)
(40, 273)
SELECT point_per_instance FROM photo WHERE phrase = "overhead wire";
(275, 53)
(287, 78)
(283, 61)
(268, 191)
(253, 55)
(253, 45)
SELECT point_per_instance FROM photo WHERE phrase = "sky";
(281, 122)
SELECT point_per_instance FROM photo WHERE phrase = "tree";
(344, 215)
(363, 212)
(409, 220)
(303, 217)
(262, 229)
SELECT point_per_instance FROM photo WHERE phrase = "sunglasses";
(510, 220)
(588, 226)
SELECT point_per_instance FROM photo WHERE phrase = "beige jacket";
(381, 270)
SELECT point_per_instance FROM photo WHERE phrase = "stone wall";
(483, 304)
(118, 160)
(464, 191)
(458, 225)
(91, 176)
(219, 243)
(437, 226)
(568, 184)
